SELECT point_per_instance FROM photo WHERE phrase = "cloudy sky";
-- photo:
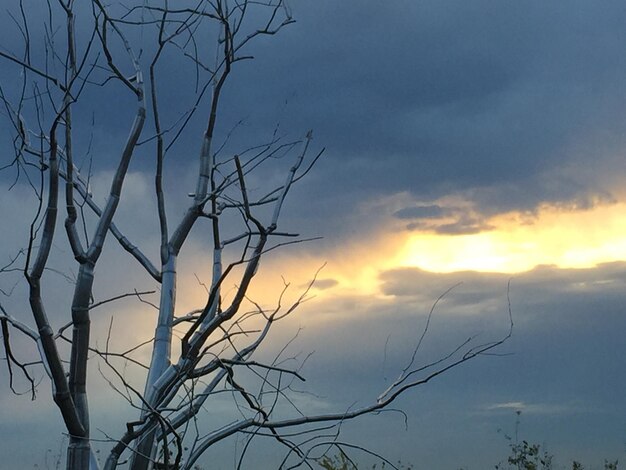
(474, 142)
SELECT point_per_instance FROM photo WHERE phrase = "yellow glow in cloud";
(517, 243)
(567, 239)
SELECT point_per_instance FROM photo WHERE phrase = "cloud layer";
(438, 118)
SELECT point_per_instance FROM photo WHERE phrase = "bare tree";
(120, 52)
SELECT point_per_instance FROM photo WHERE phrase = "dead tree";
(121, 50)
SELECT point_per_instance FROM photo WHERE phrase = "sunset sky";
(479, 143)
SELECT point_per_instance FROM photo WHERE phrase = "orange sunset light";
(517, 243)
(564, 238)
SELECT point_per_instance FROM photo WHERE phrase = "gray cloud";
(558, 368)
(608, 278)
(324, 284)
(420, 212)
(464, 226)
(443, 220)
(531, 408)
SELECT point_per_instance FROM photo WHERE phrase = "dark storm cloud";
(433, 98)
(489, 99)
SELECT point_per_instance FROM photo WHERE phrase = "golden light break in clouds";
(515, 243)
(563, 238)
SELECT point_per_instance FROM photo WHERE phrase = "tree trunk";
(145, 451)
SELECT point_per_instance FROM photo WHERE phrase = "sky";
(476, 144)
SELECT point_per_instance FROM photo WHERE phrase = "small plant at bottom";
(342, 462)
(524, 455)
(337, 462)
